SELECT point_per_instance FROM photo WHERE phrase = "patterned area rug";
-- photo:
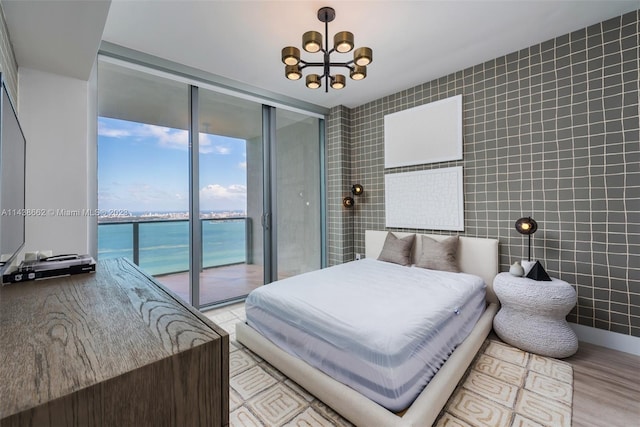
(506, 386)
(503, 387)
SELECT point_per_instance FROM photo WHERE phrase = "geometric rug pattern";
(504, 386)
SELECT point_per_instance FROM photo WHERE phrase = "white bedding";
(381, 328)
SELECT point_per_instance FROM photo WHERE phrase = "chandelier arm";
(311, 64)
(348, 65)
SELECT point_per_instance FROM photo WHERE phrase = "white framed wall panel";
(430, 199)
(429, 133)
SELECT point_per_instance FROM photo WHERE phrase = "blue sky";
(144, 168)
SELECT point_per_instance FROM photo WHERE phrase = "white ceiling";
(61, 37)
(412, 41)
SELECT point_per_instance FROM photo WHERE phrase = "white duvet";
(381, 328)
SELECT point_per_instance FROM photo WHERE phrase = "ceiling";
(413, 41)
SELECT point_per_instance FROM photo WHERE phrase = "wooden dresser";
(111, 348)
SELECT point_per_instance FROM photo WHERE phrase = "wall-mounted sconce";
(356, 190)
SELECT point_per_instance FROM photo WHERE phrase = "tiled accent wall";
(8, 64)
(550, 131)
(339, 220)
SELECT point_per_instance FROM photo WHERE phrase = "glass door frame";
(195, 225)
(269, 206)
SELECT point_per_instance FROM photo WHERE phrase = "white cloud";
(217, 191)
(205, 144)
(104, 130)
(219, 197)
(242, 165)
(166, 137)
(219, 149)
(179, 139)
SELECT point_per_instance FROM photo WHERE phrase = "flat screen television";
(12, 182)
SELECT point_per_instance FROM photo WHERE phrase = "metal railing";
(135, 230)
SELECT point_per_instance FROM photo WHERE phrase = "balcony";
(161, 248)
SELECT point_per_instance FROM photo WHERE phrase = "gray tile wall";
(339, 220)
(550, 131)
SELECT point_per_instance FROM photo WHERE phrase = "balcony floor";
(217, 284)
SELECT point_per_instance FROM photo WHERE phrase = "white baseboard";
(612, 340)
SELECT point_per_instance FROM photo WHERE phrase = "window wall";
(203, 214)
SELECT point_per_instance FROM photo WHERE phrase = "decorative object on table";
(527, 266)
(516, 269)
(312, 43)
(537, 273)
(533, 317)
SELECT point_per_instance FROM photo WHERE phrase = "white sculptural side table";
(533, 315)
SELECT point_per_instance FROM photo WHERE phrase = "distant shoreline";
(170, 216)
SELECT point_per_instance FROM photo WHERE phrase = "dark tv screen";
(12, 182)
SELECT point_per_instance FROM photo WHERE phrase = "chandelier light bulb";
(312, 41)
(358, 72)
(313, 81)
(291, 55)
(338, 82)
(292, 72)
(343, 41)
(362, 56)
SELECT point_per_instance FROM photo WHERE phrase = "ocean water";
(164, 246)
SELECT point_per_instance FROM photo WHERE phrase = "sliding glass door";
(143, 173)
(211, 193)
(298, 193)
(230, 193)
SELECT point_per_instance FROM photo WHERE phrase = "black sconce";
(356, 190)
(348, 202)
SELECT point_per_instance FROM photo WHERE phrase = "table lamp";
(535, 271)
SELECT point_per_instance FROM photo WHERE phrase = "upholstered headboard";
(477, 256)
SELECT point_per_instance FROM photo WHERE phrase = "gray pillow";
(441, 255)
(397, 250)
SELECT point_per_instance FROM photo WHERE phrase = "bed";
(478, 257)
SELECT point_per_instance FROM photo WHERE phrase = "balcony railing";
(162, 246)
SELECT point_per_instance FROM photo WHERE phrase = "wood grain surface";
(606, 387)
(109, 348)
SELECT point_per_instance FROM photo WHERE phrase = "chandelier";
(312, 43)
